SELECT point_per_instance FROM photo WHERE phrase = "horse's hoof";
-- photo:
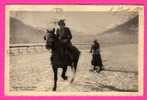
(72, 81)
(91, 70)
(98, 71)
(65, 77)
(54, 89)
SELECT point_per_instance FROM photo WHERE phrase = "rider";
(64, 35)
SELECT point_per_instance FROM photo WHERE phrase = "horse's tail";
(75, 62)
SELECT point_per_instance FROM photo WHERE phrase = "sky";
(83, 22)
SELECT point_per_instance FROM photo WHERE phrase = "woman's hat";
(95, 41)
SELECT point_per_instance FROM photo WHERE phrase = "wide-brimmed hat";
(61, 22)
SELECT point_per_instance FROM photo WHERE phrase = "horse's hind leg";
(55, 78)
(64, 73)
(74, 73)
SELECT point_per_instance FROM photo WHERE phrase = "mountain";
(127, 26)
(22, 33)
(122, 34)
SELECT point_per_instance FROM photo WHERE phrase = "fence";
(18, 49)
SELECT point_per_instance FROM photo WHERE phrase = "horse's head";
(50, 38)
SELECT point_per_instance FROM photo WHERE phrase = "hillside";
(22, 33)
(125, 33)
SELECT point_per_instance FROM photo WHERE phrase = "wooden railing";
(37, 45)
(26, 45)
(17, 49)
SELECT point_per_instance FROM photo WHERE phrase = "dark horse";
(59, 59)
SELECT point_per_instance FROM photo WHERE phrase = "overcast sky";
(84, 22)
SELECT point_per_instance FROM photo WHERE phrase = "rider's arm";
(69, 34)
(44, 37)
(91, 49)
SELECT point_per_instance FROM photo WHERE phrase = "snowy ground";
(32, 72)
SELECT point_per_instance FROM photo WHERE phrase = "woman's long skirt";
(96, 60)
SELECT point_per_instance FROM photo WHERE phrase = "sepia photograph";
(76, 50)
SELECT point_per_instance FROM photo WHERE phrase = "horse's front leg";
(64, 73)
(55, 69)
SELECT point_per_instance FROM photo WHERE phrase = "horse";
(58, 57)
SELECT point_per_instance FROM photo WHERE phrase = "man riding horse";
(63, 53)
(64, 35)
